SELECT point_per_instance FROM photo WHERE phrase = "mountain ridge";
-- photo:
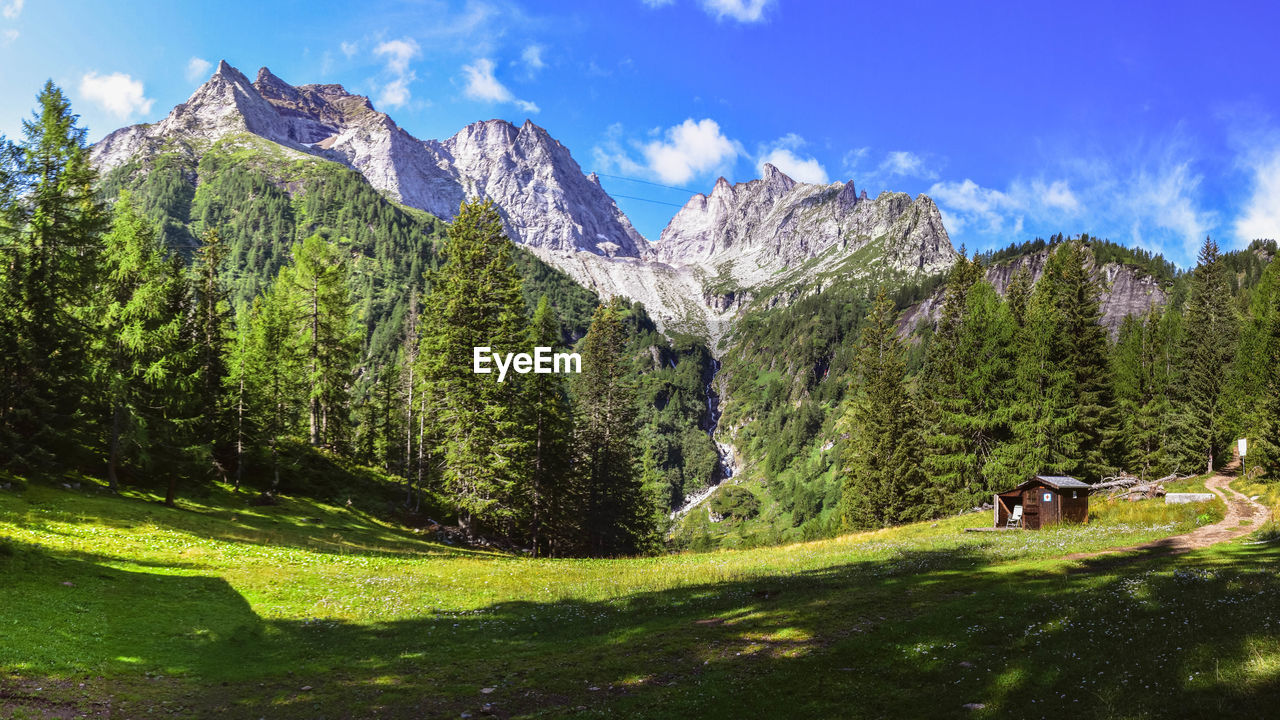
(561, 213)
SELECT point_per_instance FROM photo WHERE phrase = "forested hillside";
(1000, 388)
(274, 323)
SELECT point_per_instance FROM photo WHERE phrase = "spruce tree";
(945, 395)
(1039, 415)
(146, 358)
(475, 301)
(316, 284)
(211, 325)
(1141, 393)
(618, 515)
(271, 375)
(884, 481)
(1212, 330)
(1082, 351)
(50, 229)
(544, 493)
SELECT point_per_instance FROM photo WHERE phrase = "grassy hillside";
(307, 610)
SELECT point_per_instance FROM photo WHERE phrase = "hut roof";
(1060, 481)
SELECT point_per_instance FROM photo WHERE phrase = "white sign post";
(1243, 444)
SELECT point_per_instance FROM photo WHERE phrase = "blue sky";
(1153, 124)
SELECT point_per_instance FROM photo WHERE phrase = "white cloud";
(397, 53)
(1056, 195)
(532, 57)
(197, 68)
(689, 149)
(852, 159)
(782, 154)
(657, 3)
(1164, 199)
(909, 164)
(349, 48)
(966, 204)
(117, 93)
(1261, 216)
(484, 86)
(674, 156)
(7, 37)
(746, 11)
(395, 93)
(1153, 205)
(12, 9)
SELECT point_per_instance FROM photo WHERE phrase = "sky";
(1151, 123)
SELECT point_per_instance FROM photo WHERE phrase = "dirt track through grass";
(1244, 515)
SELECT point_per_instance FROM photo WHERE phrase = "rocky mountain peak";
(776, 180)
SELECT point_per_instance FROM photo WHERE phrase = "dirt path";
(1239, 508)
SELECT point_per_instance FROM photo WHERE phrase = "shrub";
(736, 502)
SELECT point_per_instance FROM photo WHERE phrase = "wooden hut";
(1045, 500)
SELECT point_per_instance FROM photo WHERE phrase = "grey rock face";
(773, 237)
(1126, 291)
(751, 231)
(545, 199)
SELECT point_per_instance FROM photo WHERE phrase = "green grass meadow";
(121, 607)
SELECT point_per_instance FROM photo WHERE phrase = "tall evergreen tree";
(1082, 351)
(50, 232)
(951, 462)
(475, 300)
(316, 284)
(146, 358)
(1212, 329)
(1039, 413)
(884, 480)
(545, 490)
(1141, 387)
(618, 515)
(269, 376)
(211, 324)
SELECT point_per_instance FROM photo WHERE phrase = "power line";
(647, 182)
(655, 202)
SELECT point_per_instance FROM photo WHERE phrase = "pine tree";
(1018, 295)
(475, 300)
(51, 226)
(617, 513)
(1042, 397)
(950, 462)
(1082, 350)
(1269, 400)
(212, 328)
(884, 481)
(545, 491)
(316, 284)
(269, 371)
(1212, 333)
(1141, 393)
(146, 359)
(1256, 372)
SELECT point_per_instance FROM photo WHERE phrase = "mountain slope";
(543, 195)
(767, 242)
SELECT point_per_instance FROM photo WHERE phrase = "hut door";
(1031, 509)
(1048, 507)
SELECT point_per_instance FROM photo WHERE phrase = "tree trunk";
(114, 457)
(315, 365)
(240, 429)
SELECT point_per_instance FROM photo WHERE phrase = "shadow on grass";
(918, 635)
(224, 515)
